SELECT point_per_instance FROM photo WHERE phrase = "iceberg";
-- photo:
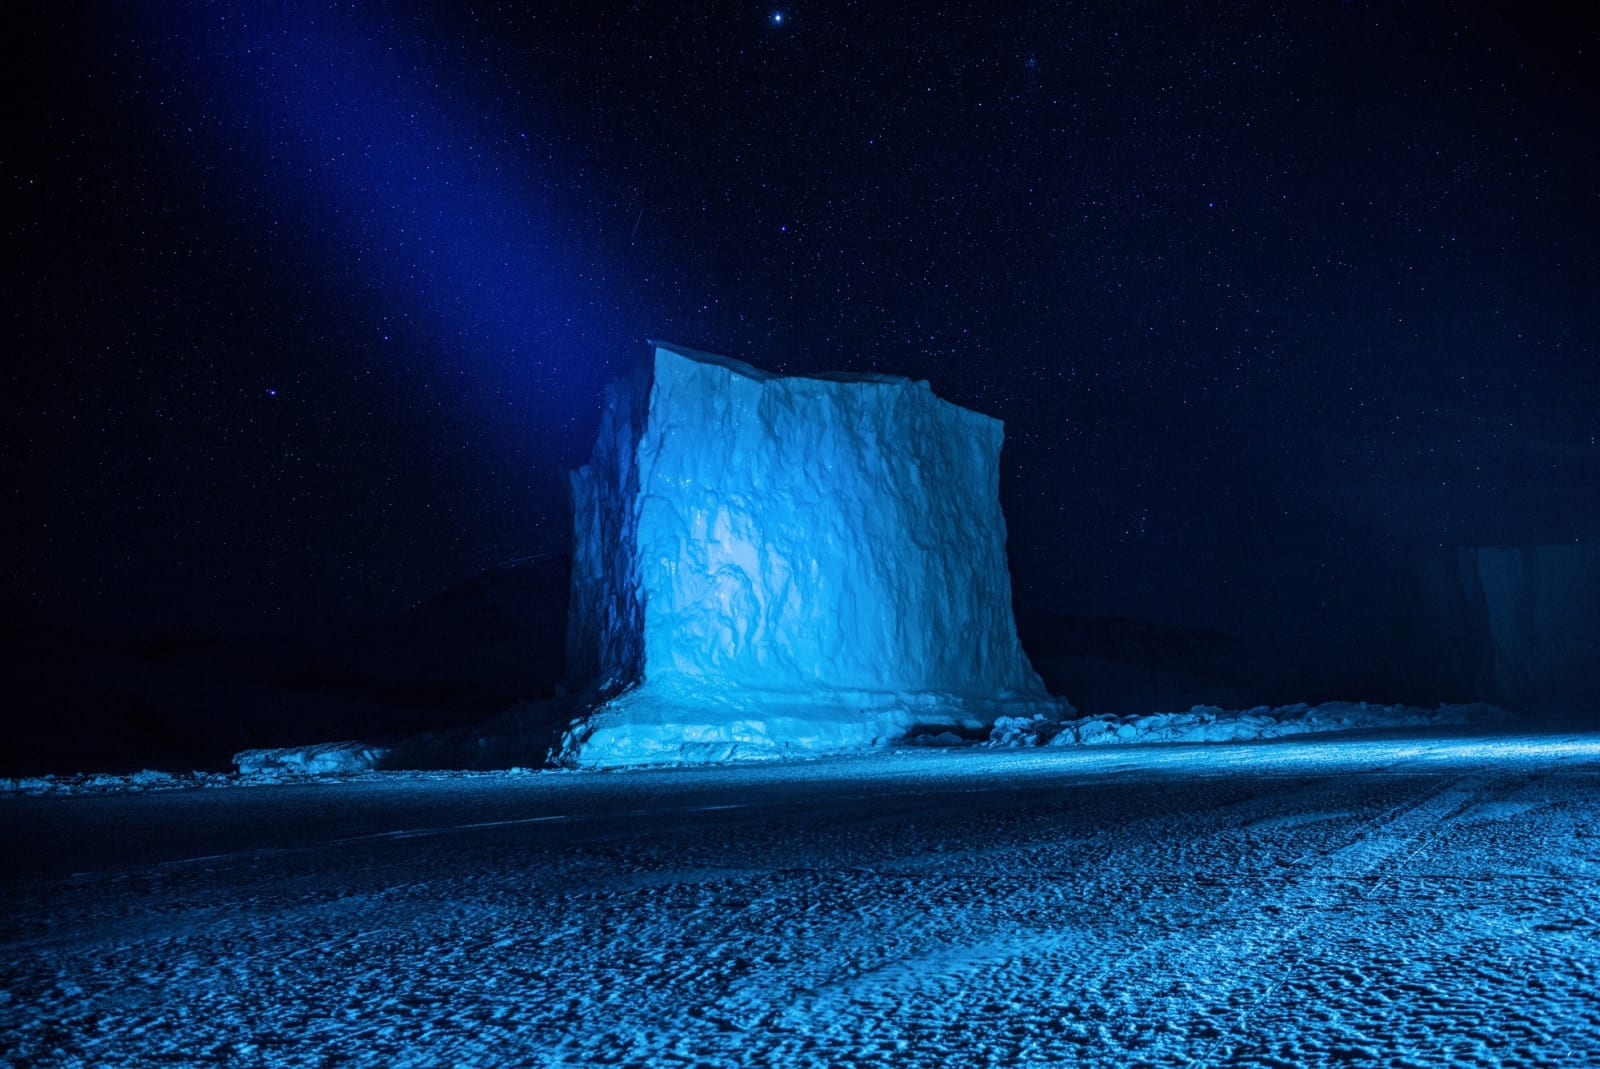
(1514, 625)
(769, 565)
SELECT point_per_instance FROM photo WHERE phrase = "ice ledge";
(666, 724)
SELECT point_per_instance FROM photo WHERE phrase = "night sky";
(310, 308)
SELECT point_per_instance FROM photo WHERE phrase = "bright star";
(777, 18)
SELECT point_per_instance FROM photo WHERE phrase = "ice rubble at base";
(772, 565)
(1209, 723)
(323, 758)
(148, 779)
(251, 767)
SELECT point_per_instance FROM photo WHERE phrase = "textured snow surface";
(317, 759)
(1209, 723)
(1416, 901)
(812, 563)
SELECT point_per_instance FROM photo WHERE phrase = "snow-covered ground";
(1425, 899)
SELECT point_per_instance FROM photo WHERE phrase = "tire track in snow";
(1450, 967)
(1005, 981)
(1050, 923)
(1368, 860)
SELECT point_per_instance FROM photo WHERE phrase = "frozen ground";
(1420, 900)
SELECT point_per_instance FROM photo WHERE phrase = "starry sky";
(311, 306)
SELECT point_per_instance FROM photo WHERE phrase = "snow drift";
(768, 564)
(1210, 723)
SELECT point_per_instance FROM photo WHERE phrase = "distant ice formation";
(1538, 611)
(1518, 625)
(767, 565)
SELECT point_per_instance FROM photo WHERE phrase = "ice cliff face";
(766, 564)
(1516, 625)
(1539, 613)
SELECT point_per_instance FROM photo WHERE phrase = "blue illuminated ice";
(767, 565)
(317, 759)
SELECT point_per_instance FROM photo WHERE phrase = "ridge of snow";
(1210, 723)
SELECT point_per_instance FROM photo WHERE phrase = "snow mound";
(1209, 723)
(772, 565)
(317, 759)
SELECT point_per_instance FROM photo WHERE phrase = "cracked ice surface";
(1423, 900)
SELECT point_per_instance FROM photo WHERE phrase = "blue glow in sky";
(441, 212)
